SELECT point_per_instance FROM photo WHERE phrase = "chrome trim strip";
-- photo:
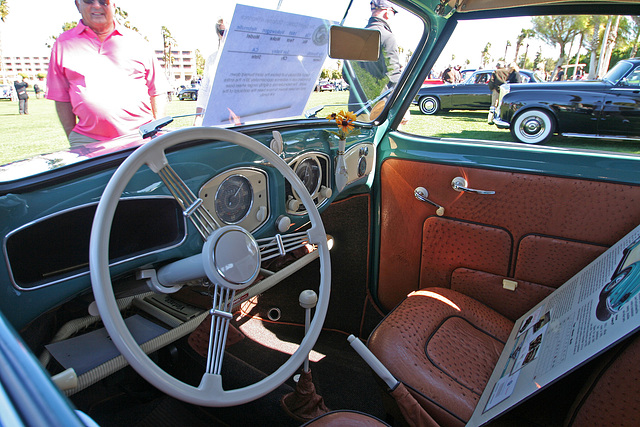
(593, 136)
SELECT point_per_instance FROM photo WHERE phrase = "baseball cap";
(383, 4)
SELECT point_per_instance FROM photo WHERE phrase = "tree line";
(606, 40)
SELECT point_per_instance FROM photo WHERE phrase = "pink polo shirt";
(109, 84)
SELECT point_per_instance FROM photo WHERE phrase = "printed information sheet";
(268, 66)
(596, 308)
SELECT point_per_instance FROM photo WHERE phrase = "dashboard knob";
(283, 223)
(293, 204)
(261, 215)
(277, 143)
(325, 192)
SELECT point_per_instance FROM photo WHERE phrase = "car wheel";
(429, 105)
(533, 127)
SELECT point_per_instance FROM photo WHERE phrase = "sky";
(191, 22)
(31, 23)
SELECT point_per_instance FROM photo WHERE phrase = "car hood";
(46, 162)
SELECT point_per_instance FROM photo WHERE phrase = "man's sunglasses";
(101, 2)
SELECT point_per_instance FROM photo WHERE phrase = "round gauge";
(309, 172)
(233, 199)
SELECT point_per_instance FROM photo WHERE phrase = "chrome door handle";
(460, 184)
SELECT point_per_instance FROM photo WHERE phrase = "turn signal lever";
(422, 194)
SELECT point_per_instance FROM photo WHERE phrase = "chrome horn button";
(231, 257)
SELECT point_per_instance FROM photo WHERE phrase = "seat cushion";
(443, 346)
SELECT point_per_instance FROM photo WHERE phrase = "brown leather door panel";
(535, 228)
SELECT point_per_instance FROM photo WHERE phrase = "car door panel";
(621, 112)
(471, 95)
(537, 230)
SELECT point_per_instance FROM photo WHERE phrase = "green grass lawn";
(40, 132)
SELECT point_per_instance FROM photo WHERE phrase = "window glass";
(633, 78)
(564, 72)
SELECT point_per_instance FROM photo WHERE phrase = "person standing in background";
(514, 74)
(209, 74)
(540, 72)
(498, 78)
(23, 96)
(104, 78)
(559, 75)
(385, 71)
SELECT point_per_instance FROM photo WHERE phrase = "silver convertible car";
(271, 269)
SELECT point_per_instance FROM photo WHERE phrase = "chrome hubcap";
(532, 127)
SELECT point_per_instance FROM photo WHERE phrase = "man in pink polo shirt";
(104, 78)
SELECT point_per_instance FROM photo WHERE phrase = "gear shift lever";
(308, 300)
(304, 403)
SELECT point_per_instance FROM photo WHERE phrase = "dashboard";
(46, 228)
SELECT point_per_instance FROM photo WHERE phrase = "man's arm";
(66, 116)
(158, 105)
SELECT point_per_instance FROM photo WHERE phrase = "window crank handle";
(422, 194)
(460, 184)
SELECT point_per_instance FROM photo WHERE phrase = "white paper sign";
(268, 67)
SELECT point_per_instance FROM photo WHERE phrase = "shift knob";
(308, 299)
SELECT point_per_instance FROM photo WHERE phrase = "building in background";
(183, 71)
(13, 67)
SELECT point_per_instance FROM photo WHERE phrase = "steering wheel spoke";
(220, 317)
(191, 205)
(279, 245)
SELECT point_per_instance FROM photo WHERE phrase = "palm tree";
(4, 10)
(504, 58)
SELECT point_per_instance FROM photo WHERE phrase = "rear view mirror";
(356, 44)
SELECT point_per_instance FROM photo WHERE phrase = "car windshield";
(617, 72)
(275, 77)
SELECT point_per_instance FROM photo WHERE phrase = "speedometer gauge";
(233, 199)
(309, 173)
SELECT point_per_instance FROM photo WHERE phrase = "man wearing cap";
(388, 63)
(381, 12)
(498, 77)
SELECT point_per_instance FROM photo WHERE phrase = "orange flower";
(348, 115)
(345, 125)
(344, 120)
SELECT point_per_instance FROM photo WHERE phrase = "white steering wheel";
(230, 260)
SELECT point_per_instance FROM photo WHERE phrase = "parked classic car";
(189, 93)
(472, 94)
(6, 91)
(206, 245)
(609, 108)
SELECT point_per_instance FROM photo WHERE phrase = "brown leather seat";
(443, 346)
